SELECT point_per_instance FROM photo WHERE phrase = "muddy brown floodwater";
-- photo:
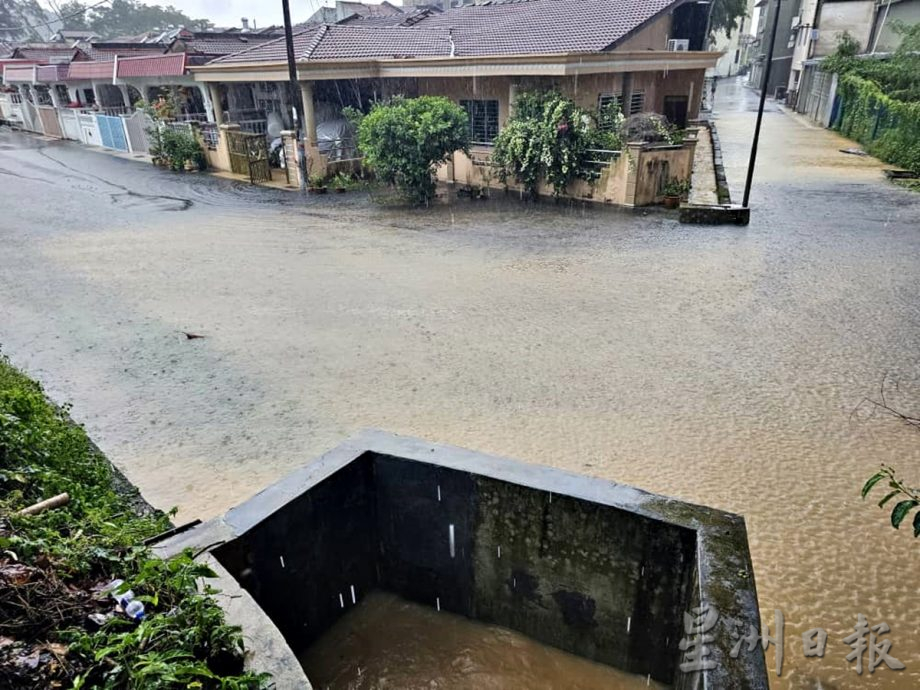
(718, 365)
(388, 643)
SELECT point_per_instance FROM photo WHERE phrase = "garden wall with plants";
(879, 97)
(886, 127)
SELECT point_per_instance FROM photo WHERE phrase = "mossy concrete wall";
(594, 568)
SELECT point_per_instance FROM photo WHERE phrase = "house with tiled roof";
(645, 55)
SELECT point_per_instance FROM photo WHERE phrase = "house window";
(483, 120)
(609, 100)
(607, 106)
(636, 102)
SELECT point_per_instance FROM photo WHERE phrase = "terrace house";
(645, 55)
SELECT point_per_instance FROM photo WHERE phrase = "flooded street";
(720, 365)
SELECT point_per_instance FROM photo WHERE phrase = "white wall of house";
(735, 56)
(804, 39)
(853, 16)
(906, 11)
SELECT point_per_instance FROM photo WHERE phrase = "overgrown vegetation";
(404, 140)
(549, 138)
(175, 147)
(725, 16)
(880, 98)
(58, 626)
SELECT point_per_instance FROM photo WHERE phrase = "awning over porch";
(152, 66)
(91, 69)
(22, 74)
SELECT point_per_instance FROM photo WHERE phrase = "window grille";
(483, 120)
(636, 102)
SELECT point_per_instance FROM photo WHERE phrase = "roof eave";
(555, 64)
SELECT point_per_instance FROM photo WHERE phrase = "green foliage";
(887, 128)
(897, 75)
(549, 138)
(910, 497)
(184, 640)
(342, 180)
(725, 16)
(880, 98)
(405, 139)
(178, 147)
(185, 646)
(127, 17)
(676, 187)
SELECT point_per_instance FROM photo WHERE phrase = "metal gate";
(249, 156)
(112, 132)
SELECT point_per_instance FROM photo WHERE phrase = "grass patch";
(912, 185)
(58, 627)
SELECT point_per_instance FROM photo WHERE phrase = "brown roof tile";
(497, 27)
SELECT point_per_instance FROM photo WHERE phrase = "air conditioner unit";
(679, 44)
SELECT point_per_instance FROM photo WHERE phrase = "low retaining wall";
(600, 570)
(724, 212)
(635, 177)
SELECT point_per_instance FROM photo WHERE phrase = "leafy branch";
(910, 497)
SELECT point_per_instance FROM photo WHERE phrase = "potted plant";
(674, 191)
(341, 182)
(317, 184)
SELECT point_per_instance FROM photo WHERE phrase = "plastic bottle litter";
(133, 609)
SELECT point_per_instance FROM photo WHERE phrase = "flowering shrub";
(549, 138)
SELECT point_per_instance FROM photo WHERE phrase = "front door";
(675, 109)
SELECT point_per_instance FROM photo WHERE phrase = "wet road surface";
(720, 365)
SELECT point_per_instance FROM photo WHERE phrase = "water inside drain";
(387, 642)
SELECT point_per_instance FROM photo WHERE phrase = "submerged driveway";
(720, 365)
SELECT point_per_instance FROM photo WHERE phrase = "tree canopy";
(725, 15)
(21, 19)
(125, 18)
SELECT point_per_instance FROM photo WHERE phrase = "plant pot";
(322, 190)
(671, 201)
(340, 190)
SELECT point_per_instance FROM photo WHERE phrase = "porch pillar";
(125, 96)
(309, 114)
(97, 94)
(633, 176)
(221, 160)
(52, 91)
(213, 98)
(512, 95)
(316, 163)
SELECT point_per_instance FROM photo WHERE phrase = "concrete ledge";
(599, 569)
(266, 649)
(717, 214)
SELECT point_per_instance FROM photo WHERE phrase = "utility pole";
(294, 88)
(763, 98)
